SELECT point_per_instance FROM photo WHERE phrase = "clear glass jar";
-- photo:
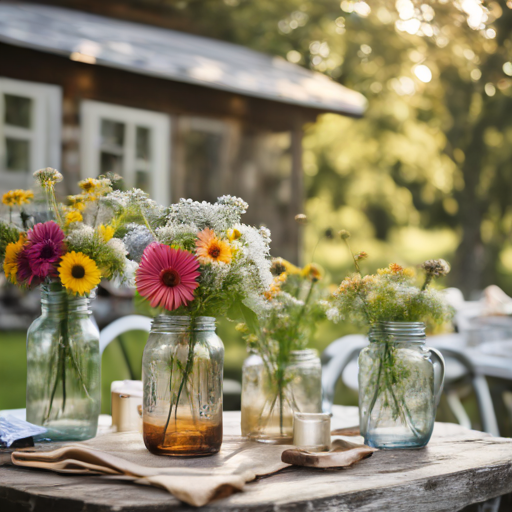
(271, 395)
(182, 370)
(400, 383)
(63, 368)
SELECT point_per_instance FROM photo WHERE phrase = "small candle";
(312, 431)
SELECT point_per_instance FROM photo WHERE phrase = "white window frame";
(92, 112)
(44, 135)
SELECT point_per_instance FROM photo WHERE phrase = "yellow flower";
(73, 216)
(210, 249)
(106, 232)
(78, 202)
(89, 185)
(79, 273)
(17, 197)
(233, 234)
(312, 271)
(12, 251)
(95, 188)
(274, 288)
(280, 265)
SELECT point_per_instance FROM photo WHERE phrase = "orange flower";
(210, 249)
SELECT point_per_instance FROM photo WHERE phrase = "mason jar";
(182, 370)
(272, 393)
(400, 384)
(63, 367)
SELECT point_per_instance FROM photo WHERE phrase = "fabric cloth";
(196, 481)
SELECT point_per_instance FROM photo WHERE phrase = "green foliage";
(9, 233)
(389, 296)
(291, 317)
(433, 151)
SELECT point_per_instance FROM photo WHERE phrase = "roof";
(172, 55)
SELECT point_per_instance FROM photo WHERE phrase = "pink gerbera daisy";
(45, 248)
(166, 276)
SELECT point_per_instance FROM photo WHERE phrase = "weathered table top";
(458, 467)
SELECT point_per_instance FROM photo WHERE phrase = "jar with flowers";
(198, 262)
(400, 379)
(282, 376)
(66, 250)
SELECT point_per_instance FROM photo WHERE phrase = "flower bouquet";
(66, 253)
(198, 262)
(400, 380)
(282, 376)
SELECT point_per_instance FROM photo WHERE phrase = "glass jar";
(400, 383)
(271, 395)
(182, 369)
(63, 368)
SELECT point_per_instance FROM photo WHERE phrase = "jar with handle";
(400, 384)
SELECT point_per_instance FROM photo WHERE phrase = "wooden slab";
(458, 467)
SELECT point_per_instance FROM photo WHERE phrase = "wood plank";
(457, 468)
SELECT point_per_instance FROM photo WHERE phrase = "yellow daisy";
(89, 185)
(79, 273)
(17, 197)
(12, 252)
(312, 271)
(233, 234)
(106, 232)
(280, 265)
(73, 216)
(211, 249)
(78, 202)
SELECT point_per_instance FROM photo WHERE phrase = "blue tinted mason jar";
(400, 383)
(63, 367)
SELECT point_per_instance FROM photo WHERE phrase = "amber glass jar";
(182, 370)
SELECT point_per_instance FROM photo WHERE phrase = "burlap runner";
(196, 481)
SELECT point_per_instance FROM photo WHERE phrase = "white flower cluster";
(244, 275)
(236, 203)
(216, 216)
(48, 176)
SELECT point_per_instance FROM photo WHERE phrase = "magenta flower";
(24, 274)
(45, 249)
(166, 276)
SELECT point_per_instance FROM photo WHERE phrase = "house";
(175, 114)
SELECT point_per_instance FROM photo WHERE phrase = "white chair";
(121, 326)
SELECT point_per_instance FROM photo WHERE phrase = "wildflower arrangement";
(198, 259)
(73, 250)
(64, 248)
(286, 324)
(390, 295)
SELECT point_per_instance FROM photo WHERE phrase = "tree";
(435, 146)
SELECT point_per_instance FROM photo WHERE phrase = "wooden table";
(458, 467)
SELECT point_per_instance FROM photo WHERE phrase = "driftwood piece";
(342, 454)
(457, 468)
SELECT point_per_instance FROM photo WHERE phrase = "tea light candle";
(312, 431)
